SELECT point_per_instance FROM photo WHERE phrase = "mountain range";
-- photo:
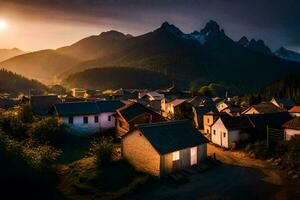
(287, 54)
(203, 56)
(9, 53)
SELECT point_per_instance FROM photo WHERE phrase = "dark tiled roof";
(292, 124)
(201, 110)
(285, 102)
(272, 120)
(266, 107)
(131, 111)
(109, 106)
(236, 123)
(77, 108)
(172, 136)
(42, 104)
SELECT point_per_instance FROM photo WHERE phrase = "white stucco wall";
(79, 128)
(104, 121)
(218, 138)
(202, 152)
(289, 133)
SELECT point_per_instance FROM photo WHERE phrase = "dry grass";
(83, 180)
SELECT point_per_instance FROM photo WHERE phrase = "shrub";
(291, 158)
(48, 130)
(103, 150)
(40, 157)
(25, 114)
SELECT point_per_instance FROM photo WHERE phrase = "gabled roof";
(177, 102)
(284, 102)
(131, 111)
(264, 107)
(292, 124)
(167, 137)
(272, 120)
(109, 106)
(295, 109)
(200, 100)
(201, 110)
(235, 123)
(77, 108)
(42, 104)
(225, 101)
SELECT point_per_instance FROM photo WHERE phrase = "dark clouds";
(275, 21)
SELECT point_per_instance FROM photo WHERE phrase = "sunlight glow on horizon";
(3, 25)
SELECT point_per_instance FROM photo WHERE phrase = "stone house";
(164, 147)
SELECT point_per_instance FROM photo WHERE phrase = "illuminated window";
(176, 155)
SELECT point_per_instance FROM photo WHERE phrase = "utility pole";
(268, 144)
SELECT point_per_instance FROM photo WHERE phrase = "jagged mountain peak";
(243, 41)
(212, 28)
(166, 26)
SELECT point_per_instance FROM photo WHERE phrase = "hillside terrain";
(41, 65)
(103, 78)
(203, 56)
(14, 83)
(287, 54)
(9, 53)
(288, 88)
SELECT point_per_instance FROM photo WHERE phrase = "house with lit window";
(164, 147)
(79, 92)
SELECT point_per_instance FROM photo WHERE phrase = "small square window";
(176, 155)
(96, 119)
(71, 120)
(85, 120)
(224, 134)
(214, 132)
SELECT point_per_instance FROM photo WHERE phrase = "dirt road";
(238, 177)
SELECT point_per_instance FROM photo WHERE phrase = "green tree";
(103, 150)
(25, 113)
(48, 130)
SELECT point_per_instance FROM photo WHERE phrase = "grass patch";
(82, 180)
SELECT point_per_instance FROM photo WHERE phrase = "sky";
(42, 24)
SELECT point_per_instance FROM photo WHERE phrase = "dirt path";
(238, 177)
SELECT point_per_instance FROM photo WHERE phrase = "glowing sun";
(3, 25)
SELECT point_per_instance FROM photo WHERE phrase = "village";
(169, 133)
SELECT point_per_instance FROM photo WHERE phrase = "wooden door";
(193, 156)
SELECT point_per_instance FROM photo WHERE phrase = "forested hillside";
(288, 88)
(13, 83)
(116, 77)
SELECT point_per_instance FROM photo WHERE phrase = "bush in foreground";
(103, 150)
